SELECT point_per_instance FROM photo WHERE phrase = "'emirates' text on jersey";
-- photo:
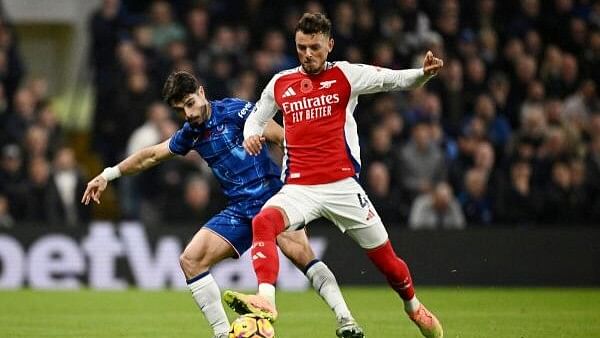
(247, 181)
(321, 139)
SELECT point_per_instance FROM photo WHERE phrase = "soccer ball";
(251, 326)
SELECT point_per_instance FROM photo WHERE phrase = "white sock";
(268, 291)
(207, 295)
(324, 282)
(412, 305)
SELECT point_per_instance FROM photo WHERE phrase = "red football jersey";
(321, 139)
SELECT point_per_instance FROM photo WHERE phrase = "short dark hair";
(178, 85)
(314, 23)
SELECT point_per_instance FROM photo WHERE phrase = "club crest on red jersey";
(327, 84)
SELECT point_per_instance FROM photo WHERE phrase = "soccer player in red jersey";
(322, 163)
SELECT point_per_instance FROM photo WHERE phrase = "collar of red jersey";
(328, 65)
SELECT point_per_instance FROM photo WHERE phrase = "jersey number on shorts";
(362, 200)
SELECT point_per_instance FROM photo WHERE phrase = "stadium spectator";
(343, 28)
(135, 95)
(6, 220)
(4, 113)
(420, 162)
(416, 25)
(66, 186)
(274, 43)
(592, 170)
(164, 28)
(484, 158)
(37, 206)
(424, 106)
(198, 34)
(499, 88)
(107, 25)
(475, 199)
(497, 129)
(144, 136)
(13, 182)
(245, 85)
(21, 117)
(475, 77)
(47, 120)
(196, 207)
(380, 147)
(582, 103)
(532, 131)
(453, 103)
(563, 202)
(438, 209)
(462, 159)
(518, 201)
(169, 185)
(12, 68)
(35, 142)
(390, 205)
(219, 75)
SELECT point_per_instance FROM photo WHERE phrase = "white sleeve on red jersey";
(367, 79)
(263, 111)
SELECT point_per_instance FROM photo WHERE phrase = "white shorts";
(344, 203)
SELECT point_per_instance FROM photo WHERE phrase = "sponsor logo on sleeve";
(245, 110)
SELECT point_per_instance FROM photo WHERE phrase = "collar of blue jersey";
(214, 107)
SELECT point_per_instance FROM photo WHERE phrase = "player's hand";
(431, 64)
(253, 144)
(94, 189)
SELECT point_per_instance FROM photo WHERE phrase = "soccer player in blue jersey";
(214, 129)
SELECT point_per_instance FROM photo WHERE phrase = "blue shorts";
(234, 228)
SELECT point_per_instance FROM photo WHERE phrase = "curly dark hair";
(314, 23)
(178, 85)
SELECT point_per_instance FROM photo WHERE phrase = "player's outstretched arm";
(135, 163)
(366, 79)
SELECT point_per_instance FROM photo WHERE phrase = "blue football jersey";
(247, 181)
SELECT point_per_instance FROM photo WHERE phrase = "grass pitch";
(464, 312)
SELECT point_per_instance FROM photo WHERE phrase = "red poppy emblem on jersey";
(306, 86)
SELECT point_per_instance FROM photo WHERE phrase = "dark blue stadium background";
(511, 124)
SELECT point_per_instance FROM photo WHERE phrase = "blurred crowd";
(40, 178)
(507, 134)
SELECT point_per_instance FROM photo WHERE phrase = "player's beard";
(203, 115)
(205, 112)
(310, 67)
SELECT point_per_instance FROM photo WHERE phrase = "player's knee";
(192, 264)
(186, 262)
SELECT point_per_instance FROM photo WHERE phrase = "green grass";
(464, 312)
